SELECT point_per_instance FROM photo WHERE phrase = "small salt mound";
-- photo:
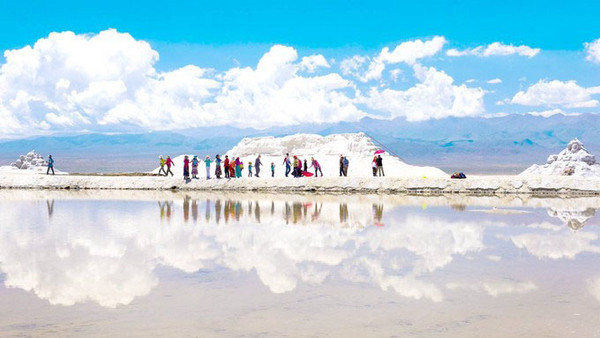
(358, 148)
(31, 163)
(575, 160)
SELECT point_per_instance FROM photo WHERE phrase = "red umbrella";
(380, 151)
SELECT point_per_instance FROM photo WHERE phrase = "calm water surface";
(207, 264)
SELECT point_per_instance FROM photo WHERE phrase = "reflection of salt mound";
(575, 160)
(573, 218)
(358, 148)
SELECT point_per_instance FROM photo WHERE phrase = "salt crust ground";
(474, 184)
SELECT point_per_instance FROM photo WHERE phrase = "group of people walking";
(234, 167)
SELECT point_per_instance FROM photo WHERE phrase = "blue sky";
(223, 36)
(554, 25)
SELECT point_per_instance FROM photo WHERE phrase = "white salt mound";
(30, 163)
(358, 148)
(575, 160)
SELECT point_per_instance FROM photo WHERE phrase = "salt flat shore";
(478, 185)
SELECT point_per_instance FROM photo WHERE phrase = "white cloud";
(435, 96)
(557, 245)
(408, 52)
(496, 49)
(566, 94)
(107, 81)
(494, 81)
(592, 51)
(496, 288)
(311, 63)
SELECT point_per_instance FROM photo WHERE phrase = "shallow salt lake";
(118, 263)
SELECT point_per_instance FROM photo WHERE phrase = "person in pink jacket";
(315, 164)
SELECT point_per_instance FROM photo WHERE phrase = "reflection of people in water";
(165, 209)
(378, 214)
(207, 211)
(238, 212)
(317, 211)
(50, 205)
(226, 211)
(272, 208)
(257, 211)
(186, 208)
(297, 211)
(287, 213)
(343, 212)
(218, 210)
(195, 210)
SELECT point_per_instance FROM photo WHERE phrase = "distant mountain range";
(506, 144)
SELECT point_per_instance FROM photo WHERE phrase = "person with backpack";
(50, 165)
(296, 163)
(162, 162)
(305, 165)
(341, 165)
(380, 166)
(195, 162)
(287, 163)
(345, 163)
(257, 164)
(169, 163)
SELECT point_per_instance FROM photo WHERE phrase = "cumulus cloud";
(592, 51)
(566, 94)
(494, 81)
(108, 80)
(435, 96)
(408, 52)
(311, 63)
(496, 49)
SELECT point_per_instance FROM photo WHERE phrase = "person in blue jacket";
(50, 165)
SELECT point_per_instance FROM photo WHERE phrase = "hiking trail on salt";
(358, 148)
(574, 160)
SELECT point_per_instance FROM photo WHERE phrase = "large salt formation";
(575, 160)
(31, 161)
(358, 148)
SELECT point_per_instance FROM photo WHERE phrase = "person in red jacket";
(226, 166)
